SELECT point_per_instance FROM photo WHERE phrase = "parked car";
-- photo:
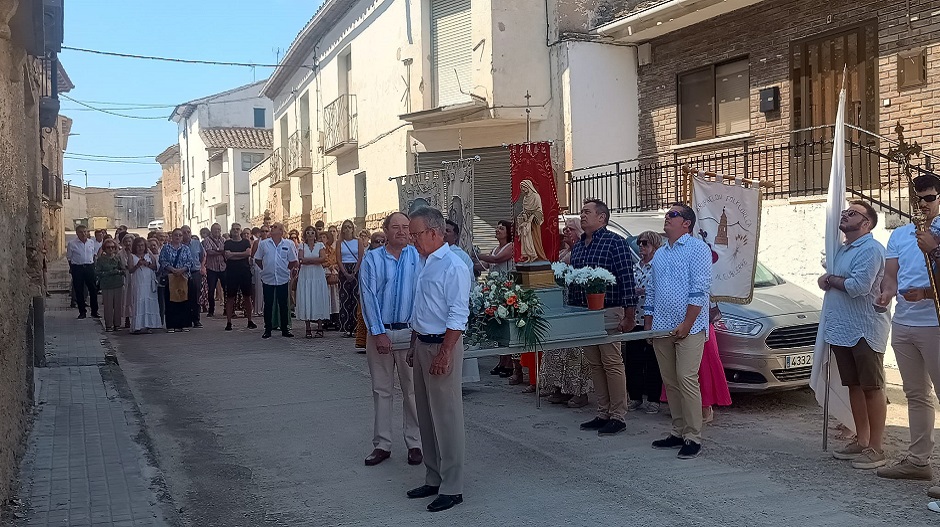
(155, 225)
(765, 345)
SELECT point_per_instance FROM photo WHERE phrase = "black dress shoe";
(444, 502)
(81, 316)
(95, 315)
(266, 335)
(668, 443)
(252, 325)
(423, 491)
(415, 457)
(287, 334)
(228, 327)
(377, 456)
(594, 424)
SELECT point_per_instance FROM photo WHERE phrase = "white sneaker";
(652, 408)
(634, 405)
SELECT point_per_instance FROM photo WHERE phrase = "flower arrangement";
(594, 280)
(500, 300)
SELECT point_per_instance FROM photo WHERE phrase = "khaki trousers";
(679, 362)
(917, 350)
(113, 304)
(439, 401)
(382, 368)
(610, 381)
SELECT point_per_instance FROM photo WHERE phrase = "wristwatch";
(935, 253)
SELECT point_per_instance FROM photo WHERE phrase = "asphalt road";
(251, 432)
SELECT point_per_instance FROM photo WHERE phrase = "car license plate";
(798, 361)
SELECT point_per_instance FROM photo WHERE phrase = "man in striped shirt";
(857, 333)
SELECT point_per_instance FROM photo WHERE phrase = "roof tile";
(238, 137)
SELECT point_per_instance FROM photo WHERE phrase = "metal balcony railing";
(279, 167)
(341, 120)
(298, 153)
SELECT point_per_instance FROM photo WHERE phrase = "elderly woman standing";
(142, 266)
(643, 377)
(313, 295)
(176, 262)
(110, 269)
(350, 252)
(565, 371)
(125, 252)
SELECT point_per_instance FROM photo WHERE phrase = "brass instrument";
(903, 153)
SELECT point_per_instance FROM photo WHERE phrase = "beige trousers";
(679, 362)
(113, 303)
(610, 381)
(439, 401)
(382, 368)
(917, 350)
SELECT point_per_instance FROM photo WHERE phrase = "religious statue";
(529, 224)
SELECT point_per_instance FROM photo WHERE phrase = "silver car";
(765, 345)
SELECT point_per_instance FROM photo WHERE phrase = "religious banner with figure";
(459, 177)
(535, 202)
(425, 189)
(729, 222)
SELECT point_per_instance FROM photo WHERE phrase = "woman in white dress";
(313, 295)
(142, 267)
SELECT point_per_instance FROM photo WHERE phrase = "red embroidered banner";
(535, 202)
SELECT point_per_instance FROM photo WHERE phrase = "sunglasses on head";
(929, 198)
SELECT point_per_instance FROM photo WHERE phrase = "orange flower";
(490, 311)
(513, 300)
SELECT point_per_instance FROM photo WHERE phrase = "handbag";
(179, 288)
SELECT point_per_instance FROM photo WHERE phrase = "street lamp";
(86, 176)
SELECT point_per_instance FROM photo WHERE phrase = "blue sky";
(218, 30)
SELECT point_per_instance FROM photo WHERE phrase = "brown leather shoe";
(414, 456)
(377, 456)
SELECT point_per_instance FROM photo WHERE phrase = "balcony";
(298, 154)
(279, 177)
(260, 172)
(341, 119)
(52, 189)
(216, 192)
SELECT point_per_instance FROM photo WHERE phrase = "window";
(259, 117)
(714, 101)
(250, 160)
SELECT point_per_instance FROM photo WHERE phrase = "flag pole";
(826, 402)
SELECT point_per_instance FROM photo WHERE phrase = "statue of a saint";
(529, 224)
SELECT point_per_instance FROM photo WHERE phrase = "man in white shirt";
(276, 257)
(386, 284)
(439, 318)
(915, 334)
(452, 237)
(80, 253)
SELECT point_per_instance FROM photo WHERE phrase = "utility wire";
(102, 110)
(108, 157)
(109, 160)
(184, 61)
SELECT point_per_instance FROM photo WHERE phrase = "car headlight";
(738, 326)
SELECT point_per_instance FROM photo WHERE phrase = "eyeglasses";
(849, 213)
(929, 198)
(414, 235)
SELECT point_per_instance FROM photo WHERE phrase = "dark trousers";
(212, 280)
(643, 377)
(195, 287)
(83, 277)
(279, 294)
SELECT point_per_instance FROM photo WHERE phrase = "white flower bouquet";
(594, 280)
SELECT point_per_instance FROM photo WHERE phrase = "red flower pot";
(595, 301)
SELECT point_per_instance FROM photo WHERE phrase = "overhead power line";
(102, 156)
(183, 61)
(66, 156)
(109, 112)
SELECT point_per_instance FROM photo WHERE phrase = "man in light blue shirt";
(915, 334)
(386, 284)
(452, 237)
(677, 301)
(857, 333)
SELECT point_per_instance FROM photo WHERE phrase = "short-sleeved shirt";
(237, 246)
(912, 274)
(275, 258)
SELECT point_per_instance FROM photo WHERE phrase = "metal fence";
(796, 169)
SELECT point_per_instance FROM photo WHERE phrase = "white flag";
(838, 395)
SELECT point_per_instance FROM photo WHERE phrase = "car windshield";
(764, 277)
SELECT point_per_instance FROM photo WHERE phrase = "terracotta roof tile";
(237, 137)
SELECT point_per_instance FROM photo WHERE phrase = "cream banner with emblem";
(729, 222)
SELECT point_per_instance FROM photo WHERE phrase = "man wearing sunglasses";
(915, 334)
(599, 247)
(857, 333)
(677, 300)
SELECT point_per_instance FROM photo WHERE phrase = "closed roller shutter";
(492, 188)
(451, 52)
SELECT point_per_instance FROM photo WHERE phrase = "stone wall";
(20, 232)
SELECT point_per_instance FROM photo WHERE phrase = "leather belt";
(431, 339)
(397, 326)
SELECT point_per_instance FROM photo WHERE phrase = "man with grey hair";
(80, 253)
(438, 320)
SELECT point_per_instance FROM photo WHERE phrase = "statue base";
(536, 275)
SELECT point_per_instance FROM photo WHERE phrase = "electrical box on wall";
(770, 99)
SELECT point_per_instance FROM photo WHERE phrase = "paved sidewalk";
(84, 466)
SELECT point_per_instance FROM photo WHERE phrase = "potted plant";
(595, 281)
(505, 313)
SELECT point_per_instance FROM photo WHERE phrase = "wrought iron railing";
(278, 166)
(341, 120)
(298, 151)
(796, 169)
